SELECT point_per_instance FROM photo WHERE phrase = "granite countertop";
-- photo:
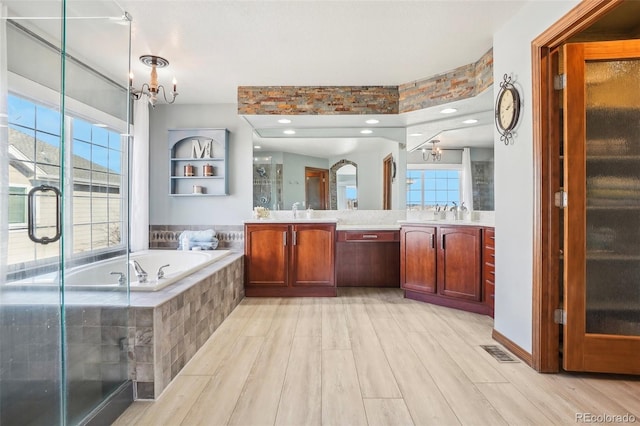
(481, 223)
(299, 220)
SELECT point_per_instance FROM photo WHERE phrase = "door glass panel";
(95, 303)
(31, 354)
(613, 197)
(314, 199)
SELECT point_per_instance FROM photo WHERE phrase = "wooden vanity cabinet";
(418, 259)
(442, 264)
(290, 259)
(459, 262)
(368, 258)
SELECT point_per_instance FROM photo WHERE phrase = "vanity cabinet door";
(312, 255)
(266, 250)
(418, 258)
(459, 262)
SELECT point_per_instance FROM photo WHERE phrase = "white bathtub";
(97, 275)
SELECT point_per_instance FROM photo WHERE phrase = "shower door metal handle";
(31, 226)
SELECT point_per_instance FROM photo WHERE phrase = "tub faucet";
(140, 273)
(160, 274)
(122, 278)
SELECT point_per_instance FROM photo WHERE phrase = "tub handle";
(122, 279)
(161, 271)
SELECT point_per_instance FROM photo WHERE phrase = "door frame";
(388, 174)
(545, 354)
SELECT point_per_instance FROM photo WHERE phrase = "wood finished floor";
(369, 357)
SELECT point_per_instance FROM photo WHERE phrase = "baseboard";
(525, 356)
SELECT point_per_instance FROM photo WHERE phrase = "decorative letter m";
(198, 151)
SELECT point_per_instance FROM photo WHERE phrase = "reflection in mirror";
(267, 182)
(280, 172)
(439, 183)
(344, 188)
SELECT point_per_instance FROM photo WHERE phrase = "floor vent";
(498, 353)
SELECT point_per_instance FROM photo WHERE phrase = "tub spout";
(140, 273)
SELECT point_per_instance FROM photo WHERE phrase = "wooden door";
(418, 259)
(316, 188)
(602, 217)
(266, 250)
(313, 255)
(459, 256)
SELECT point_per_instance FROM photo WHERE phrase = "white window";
(94, 189)
(431, 187)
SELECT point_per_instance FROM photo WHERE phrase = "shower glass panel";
(63, 192)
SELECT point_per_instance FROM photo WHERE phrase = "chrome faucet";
(122, 278)
(294, 209)
(140, 273)
(160, 274)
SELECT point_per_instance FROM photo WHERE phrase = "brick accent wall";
(461, 83)
(314, 100)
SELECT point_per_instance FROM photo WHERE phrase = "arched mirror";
(343, 185)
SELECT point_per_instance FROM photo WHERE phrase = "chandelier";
(435, 154)
(153, 89)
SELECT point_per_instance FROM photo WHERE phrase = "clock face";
(507, 110)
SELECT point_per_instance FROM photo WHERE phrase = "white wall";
(227, 210)
(514, 173)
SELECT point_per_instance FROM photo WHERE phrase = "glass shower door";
(64, 210)
(31, 377)
(95, 282)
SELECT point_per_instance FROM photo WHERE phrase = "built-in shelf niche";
(205, 152)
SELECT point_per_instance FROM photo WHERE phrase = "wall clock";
(507, 109)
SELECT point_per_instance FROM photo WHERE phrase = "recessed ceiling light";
(448, 111)
(372, 121)
(100, 125)
(470, 121)
(289, 132)
(284, 121)
(366, 131)
(415, 134)
(257, 147)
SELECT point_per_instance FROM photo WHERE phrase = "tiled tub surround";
(148, 342)
(168, 327)
(230, 237)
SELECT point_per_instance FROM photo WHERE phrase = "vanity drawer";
(368, 236)
(489, 237)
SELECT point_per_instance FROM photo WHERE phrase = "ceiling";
(214, 46)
